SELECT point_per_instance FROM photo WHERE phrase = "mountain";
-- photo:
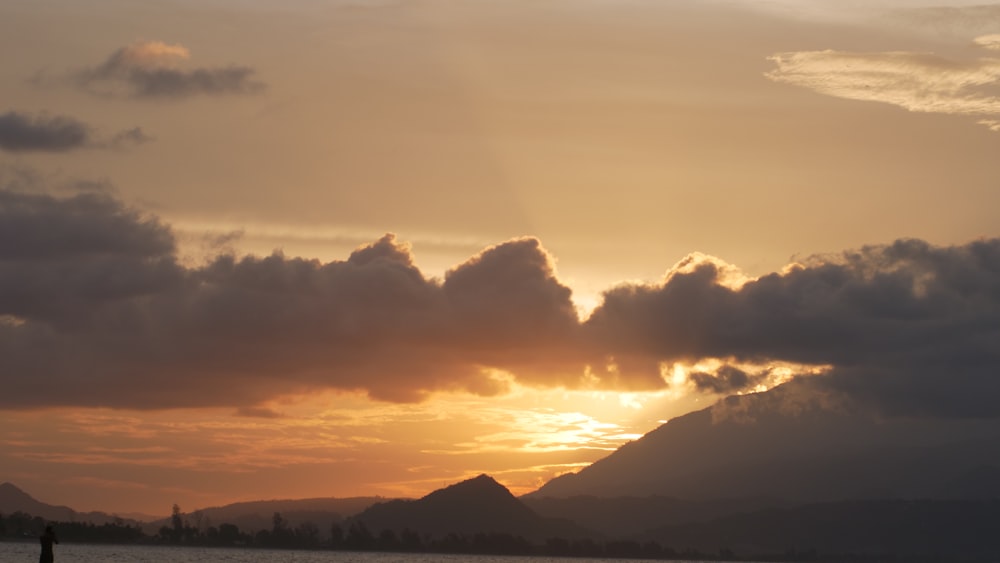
(625, 516)
(479, 505)
(790, 444)
(13, 499)
(259, 515)
(898, 530)
(249, 516)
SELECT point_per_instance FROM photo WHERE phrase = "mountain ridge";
(780, 444)
(14, 499)
(477, 505)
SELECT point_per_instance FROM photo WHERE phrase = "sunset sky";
(253, 249)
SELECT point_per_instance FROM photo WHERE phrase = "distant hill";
(479, 505)
(13, 499)
(864, 530)
(249, 516)
(793, 446)
(625, 516)
(258, 515)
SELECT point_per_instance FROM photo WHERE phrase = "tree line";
(351, 535)
(19, 525)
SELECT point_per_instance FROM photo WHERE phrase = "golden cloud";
(152, 54)
(918, 82)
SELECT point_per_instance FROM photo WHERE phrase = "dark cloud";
(63, 260)
(908, 328)
(521, 316)
(37, 227)
(725, 380)
(148, 70)
(96, 310)
(22, 132)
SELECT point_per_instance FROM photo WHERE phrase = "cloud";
(919, 82)
(96, 310)
(523, 317)
(991, 42)
(727, 379)
(992, 124)
(22, 132)
(908, 328)
(150, 69)
(98, 286)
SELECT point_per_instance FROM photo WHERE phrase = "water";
(90, 553)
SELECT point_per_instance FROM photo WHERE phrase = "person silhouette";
(47, 539)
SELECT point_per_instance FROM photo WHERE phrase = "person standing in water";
(47, 539)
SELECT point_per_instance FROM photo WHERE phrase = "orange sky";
(623, 136)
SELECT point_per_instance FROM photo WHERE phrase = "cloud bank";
(919, 82)
(96, 310)
(908, 328)
(151, 70)
(23, 132)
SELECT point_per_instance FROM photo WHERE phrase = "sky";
(260, 249)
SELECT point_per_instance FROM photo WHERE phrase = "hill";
(625, 516)
(248, 516)
(926, 530)
(479, 505)
(258, 515)
(789, 444)
(13, 499)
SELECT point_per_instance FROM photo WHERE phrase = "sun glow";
(736, 377)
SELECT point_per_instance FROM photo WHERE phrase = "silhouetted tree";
(453, 543)
(229, 534)
(409, 540)
(623, 548)
(306, 535)
(586, 548)
(358, 537)
(176, 523)
(557, 546)
(336, 536)
(387, 541)
(652, 550)
(281, 535)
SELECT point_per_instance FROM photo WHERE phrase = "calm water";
(85, 553)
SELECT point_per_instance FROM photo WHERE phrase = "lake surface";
(89, 553)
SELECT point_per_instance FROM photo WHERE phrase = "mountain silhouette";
(257, 515)
(478, 505)
(790, 444)
(13, 499)
(625, 516)
(897, 530)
